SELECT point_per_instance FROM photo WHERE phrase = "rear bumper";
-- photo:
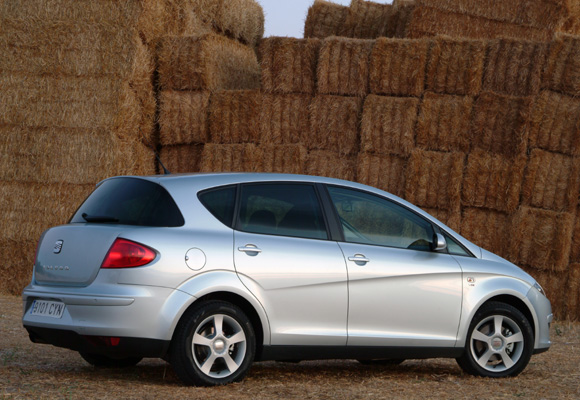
(123, 347)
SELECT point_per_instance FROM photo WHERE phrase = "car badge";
(58, 246)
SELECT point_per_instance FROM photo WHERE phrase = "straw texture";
(325, 19)
(573, 293)
(443, 122)
(555, 123)
(230, 158)
(487, 228)
(388, 124)
(330, 164)
(455, 66)
(235, 116)
(289, 64)
(343, 66)
(562, 71)
(541, 238)
(386, 172)
(451, 218)
(334, 122)
(399, 21)
(493, 181)
(557, 286)
(552, 181)
(398, 67)
(575, 251)
(282, 158)
(514, 66)
(16, 269)
(208, 62)
(429, 21)
(284, 118)
(500, 124)
(434, 179)
(183, 117)
(181, 158)
(367, 19)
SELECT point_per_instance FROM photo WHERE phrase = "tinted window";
(130, 201)
(370, 219)
(220, 202)
(454, 248)
(282, 209)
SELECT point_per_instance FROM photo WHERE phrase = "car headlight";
(540, 289)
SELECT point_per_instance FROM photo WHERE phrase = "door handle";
(359, 258)
(250, 248)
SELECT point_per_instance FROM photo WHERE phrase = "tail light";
(127, 254)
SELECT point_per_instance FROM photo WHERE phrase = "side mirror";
(439, 243)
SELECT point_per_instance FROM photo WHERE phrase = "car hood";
(508, 267)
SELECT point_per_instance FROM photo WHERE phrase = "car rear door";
(400, 292)
(283, 255)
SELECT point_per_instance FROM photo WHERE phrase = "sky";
(287, 17)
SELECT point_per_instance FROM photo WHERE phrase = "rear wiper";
(98, 218)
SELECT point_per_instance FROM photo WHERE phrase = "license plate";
(45, 308)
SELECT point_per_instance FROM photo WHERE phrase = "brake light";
(127, 254)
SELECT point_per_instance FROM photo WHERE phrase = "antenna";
(165, 170)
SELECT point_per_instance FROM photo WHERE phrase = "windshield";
(129, 201)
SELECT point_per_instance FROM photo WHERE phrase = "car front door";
(400, 292)
(283, 255)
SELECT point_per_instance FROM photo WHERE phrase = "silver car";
(215, 271)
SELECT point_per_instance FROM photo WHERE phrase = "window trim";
(238, 223)
(214, 189)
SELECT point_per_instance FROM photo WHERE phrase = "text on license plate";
(45, 308)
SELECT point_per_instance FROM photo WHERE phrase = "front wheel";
(500, 342)
(214, 344)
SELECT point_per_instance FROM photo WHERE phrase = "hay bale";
(367, 19)
(541, 238)
(282, 158)
(69, 155)
(487, 228)
(575, 251)
(493, 181)
(208, 62)
(334, 122)
(331, 164)
(343, 66)
(230, 158)
(16, 269)
(234, 116)
(555, 123)
(455, 66)
(451, 218)
(289, 64)
(551, 181)
(514, 66)
(387, 125)
(535, 13)
(398, 67)
(52, 204)
(183, 117)
(386, 172)
(499, 124)
(399, 21)
(284, 118)
(573, 293)
(443, 122)
(429, 21)
(562, 71)
(558, 287)
(325, 19)
(181, 158)
(434, 179)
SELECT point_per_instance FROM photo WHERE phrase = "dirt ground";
(30, 371)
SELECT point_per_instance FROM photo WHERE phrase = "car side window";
(220, 202)
(370, 219)
(454, 248)
(281, 209)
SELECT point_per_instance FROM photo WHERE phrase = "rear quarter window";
(130, 201)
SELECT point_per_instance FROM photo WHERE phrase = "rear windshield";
(129, 201)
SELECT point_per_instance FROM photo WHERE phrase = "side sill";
(355, 352)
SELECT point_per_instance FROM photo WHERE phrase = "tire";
(499, 344)
(214, 344)
(386, 362)
(98, 360)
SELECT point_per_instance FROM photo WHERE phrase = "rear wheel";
(214, 344)
(500, 342)
(98, 360)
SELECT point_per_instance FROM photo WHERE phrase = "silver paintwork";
(304, 291)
